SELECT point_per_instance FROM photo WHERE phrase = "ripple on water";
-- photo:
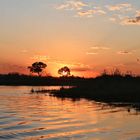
(34, 117)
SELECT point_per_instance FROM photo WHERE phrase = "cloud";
(122, 18)
(77, 69)
(72, 5)
(134, 19)
(131, 20)
(100, 48)
(121, 11)
(96, 49)
(90, 13)
(91, 53)
(8, 68)
(124, 52)
(79, 7)
(40, 57)
(69, 64)
(118, 7)
(59, 62)
(138, 13)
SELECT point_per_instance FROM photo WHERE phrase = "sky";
(88, 36)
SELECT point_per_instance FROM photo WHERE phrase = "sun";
(64, 73)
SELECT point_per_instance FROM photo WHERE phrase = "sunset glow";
(86, 36)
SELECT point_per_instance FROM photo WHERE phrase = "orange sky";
(87, 36)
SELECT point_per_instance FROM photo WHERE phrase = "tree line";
(39, 67)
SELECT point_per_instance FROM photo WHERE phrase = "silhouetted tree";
(104, 73)
(129, 74)
(117, 72)
(64, 71)
(37, 67)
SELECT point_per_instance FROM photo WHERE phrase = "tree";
(104, 73)
(117, 72)
(64, 71)
(37, 67)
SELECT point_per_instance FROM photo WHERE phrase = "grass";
(107, 87)
(110, 88)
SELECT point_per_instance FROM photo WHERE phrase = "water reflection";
(37, 116)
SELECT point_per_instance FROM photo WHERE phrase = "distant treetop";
(64, 71)
(37, 67)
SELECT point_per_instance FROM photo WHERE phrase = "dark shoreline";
(105, 88)
(109, 89)
(76, 94)
(20, 79)
(27, 80)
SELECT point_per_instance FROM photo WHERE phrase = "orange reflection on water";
(39, 116)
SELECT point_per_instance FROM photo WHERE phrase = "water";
(26, 116)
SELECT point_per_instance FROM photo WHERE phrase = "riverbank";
(108, 88)
(104, 89)
(27, 80)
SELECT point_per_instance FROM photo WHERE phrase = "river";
(25, 116)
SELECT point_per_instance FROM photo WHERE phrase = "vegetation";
(64, 71)
(37, 67)
(21, 79)
(115, 87)
(107, 88)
